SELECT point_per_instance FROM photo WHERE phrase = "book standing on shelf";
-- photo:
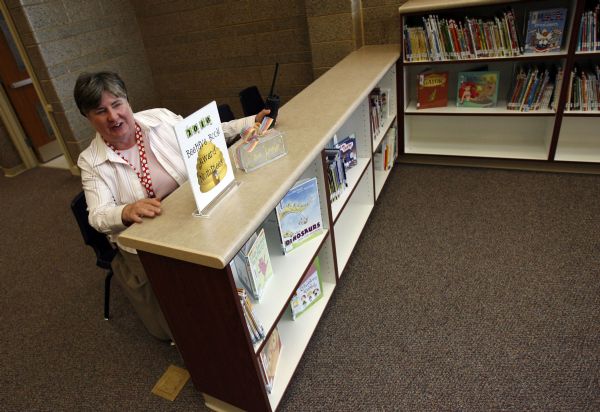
(252, 264)
(336, 173)
(269, 359)
(257, 332)
(378, 109)
(477, 89)
(387, 151)
(309, 291)
(432, 90)
(545, 30)
(299, 215)
(348, 150)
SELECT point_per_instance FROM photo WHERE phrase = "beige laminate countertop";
(416, 6)
(308, 121)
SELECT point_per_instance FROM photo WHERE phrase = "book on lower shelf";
(255, 328)
(432, 89)
(545, 30)
(269, 359)
(348, 150)
(477, 89)
(532, 89)
(299, 215)
(387, 151)
(252, 264)
(309, 291)
(378, 109)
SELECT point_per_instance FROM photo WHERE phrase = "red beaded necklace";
(144, 174)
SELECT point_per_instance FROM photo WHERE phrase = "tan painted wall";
(211, 50)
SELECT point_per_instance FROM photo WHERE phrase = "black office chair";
(251, 100)
(105, 252)
(225, 113)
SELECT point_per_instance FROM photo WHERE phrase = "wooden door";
(18, 86)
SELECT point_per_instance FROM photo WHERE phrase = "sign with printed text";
(204, 149)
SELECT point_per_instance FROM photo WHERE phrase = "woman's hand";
(259, 117)
(134, 212)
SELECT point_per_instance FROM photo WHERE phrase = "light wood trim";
(38, 89)
(15, 131)
(416, 6)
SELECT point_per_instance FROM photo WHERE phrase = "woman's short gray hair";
(90, 86)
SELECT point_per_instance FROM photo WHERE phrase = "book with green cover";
(252, 264)
(299, 214)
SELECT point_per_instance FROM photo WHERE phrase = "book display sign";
(299, 215)
(204, 149)
(545, 30)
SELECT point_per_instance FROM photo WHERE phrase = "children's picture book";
(252, 265)
(348, 151)
(299, 215)
(269, 357)
(477, 89)
(432, 90)
(309, 291)
(202, 144)
(545, 30)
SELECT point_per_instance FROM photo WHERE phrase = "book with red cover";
(432, 90)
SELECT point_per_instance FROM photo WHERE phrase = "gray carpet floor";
(470, 289)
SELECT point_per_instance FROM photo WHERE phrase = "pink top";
(162, 182)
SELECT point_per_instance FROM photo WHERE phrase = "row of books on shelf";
(584, 90)
(439, 39)
(533, 89)
(588, 37)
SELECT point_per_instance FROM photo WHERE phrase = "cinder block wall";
(184, 54)
(66, 37)
(209, 50)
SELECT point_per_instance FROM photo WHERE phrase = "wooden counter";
(308, 121)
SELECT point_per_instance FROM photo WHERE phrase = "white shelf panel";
(451, 108)
(382, 131)
(295, 335)
(287, 271)
(353, 175)
(579, 140)
(481, 136)
(380, 179)
(347, 231)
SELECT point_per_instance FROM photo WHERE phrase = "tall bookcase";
(187, 258)
(547, 138)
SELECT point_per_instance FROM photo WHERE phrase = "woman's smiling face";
(113, 119)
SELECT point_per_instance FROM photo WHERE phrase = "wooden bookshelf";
(552, 135)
